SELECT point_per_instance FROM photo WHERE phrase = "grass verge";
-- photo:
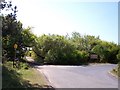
(115, 72)
(22, 78)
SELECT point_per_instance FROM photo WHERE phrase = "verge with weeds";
(24, 77)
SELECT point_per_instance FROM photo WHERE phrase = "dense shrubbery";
(75, 50)
(54, 49)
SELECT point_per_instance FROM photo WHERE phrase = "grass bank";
(116, 71)
(22, 78)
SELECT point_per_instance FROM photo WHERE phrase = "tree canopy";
(57, 49)
(14, 33)
(54, 49)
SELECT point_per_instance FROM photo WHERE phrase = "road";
(92, 76)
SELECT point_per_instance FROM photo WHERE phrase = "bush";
(24, 65)
(81, 57)
(56, 49)
(59, 50)
(118, 56)
(51, 57)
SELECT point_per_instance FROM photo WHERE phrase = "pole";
(14, 58)
(15, 47)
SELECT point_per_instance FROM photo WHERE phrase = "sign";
(15, 46)
(94, 56)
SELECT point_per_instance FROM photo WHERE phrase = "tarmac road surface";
(91, 76)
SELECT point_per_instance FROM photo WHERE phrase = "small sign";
(94, 56)
(15, 46)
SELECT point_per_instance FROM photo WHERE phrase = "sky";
(66, 16)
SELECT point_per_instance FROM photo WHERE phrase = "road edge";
(109, 72)
(47, 80)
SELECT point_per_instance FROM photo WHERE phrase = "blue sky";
(62, 17)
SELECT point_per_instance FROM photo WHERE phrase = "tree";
(28, 37)
(55, 49)
(85, 42)
(107, 51)
(11, 31)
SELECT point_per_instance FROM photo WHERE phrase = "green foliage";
(53, 49)
(28, 37)
(107, 52)
(81, 57)
(13, 33)
(24, 65)
(11, 78)
(118, 56)
(22, 79)
(56, 49)
(85, 42)
(84, 55)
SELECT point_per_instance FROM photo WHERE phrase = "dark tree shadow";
(11, 80)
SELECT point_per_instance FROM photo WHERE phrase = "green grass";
(21, 78)
(116, 71)
(34, 77)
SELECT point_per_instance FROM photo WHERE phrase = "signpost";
(15, 46)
